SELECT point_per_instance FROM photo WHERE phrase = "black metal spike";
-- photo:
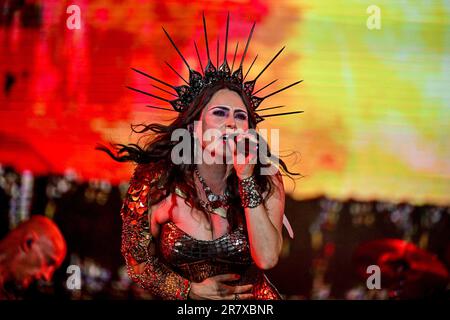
(148, 94)
(258, 118)
(160, 108)
(287, 87)
(256, 101)
(250, 68)
(176, 72)
(217, 61)
(248, 42)
(249, 86)
(176, 48)
(153, 78)
(181, 90)
(210, 69)
(164, 90)
(237, 74)
(226, 39)
(234, 57)
(199, 60)
(206, 37)
(270, 108)
(178, 105)
(270, 62)
(280, 114)
(195, 78)
(265, 86)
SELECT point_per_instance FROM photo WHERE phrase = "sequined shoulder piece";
(149, 174)
(137, 244)
(136, 233)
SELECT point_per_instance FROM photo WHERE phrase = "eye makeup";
(223, 111)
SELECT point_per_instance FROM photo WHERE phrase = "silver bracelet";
(249, 193)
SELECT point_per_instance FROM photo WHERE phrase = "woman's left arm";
(264, 225)
(263, 213)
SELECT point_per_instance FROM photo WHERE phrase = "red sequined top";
(167, 266)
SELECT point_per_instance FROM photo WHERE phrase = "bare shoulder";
(161, 211)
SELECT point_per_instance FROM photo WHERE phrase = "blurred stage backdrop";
(373, 143)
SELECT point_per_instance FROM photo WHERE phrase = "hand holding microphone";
(243, 140)
(244, 150)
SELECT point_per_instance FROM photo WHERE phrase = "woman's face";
(225, 113)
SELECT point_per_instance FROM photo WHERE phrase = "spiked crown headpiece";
(185, 94)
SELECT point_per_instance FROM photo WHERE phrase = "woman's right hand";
(215, 288)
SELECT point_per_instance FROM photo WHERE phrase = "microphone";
(246, 142)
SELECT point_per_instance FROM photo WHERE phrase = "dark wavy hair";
(158, 150)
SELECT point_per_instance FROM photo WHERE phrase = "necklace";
(215, 204)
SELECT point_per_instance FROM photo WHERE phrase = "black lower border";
(120, 309)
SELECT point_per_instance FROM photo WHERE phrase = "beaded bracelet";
(249, 192)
